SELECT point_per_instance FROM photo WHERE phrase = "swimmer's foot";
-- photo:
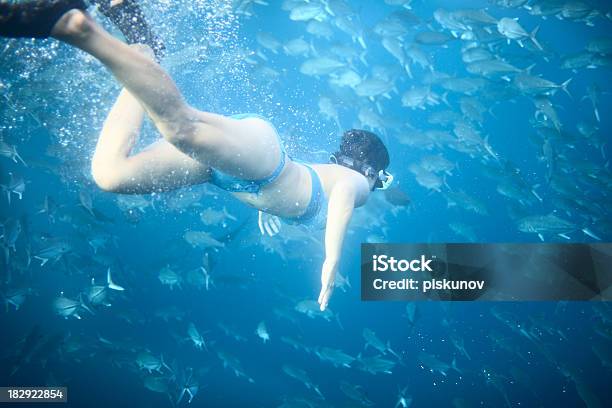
(34, 18)
(127, 16)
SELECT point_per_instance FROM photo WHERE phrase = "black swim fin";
(128, 17)
(33, 18)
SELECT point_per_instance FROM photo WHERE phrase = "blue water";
(55, 100)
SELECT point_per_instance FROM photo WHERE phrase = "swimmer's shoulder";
(332, 175)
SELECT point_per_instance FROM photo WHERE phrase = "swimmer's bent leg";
(193, 132)
(129, 18)
(160, 167)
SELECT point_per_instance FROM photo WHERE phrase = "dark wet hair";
(363, 147)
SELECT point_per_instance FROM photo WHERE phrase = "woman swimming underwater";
(241, 154)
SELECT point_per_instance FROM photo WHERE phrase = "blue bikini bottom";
(316, 212)
(234, 184)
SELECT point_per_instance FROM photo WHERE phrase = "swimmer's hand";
(328, 276)
(268, 224)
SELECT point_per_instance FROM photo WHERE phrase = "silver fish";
(391, 28)
(407, 4)
(53, 252)
(420, 97)
(374, 87)
(268, 41)
(328, 109)
(86, 201)
(11, 229)
(426, 178)
(534, 85)
(98, 294)
(593, 94)
(148, 362)
(460, 198)
(492, 68)
(321, 66)
(215, 217)
(355, 392)
(463, 230)
(433, 38)
(546, 111)
(168, 277)
(297, 47)
(15, 297)
(543, 224)
(579, 61)
(308, 11)
(231, 362)
(320, 29)
(301, 376)
(336, 357)
(10, 151)
(202, 239)
(419, 57)
(467, 86)
(66, 307)
(262, 332)
(351, 25)
(376, 364)
(396, 48)
(512, 30)
(475, 54)
(312, 309)
(437, 164)
(370, 119)
(16, 185)
(433, 364)
(403, 400)
(450, 21)
(373, 341)
(195, 337)
(229, 332)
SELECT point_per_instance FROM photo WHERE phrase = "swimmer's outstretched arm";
(339, 212)
(160, 167)
(347, 194)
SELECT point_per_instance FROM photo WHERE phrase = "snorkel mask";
(384, 179)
